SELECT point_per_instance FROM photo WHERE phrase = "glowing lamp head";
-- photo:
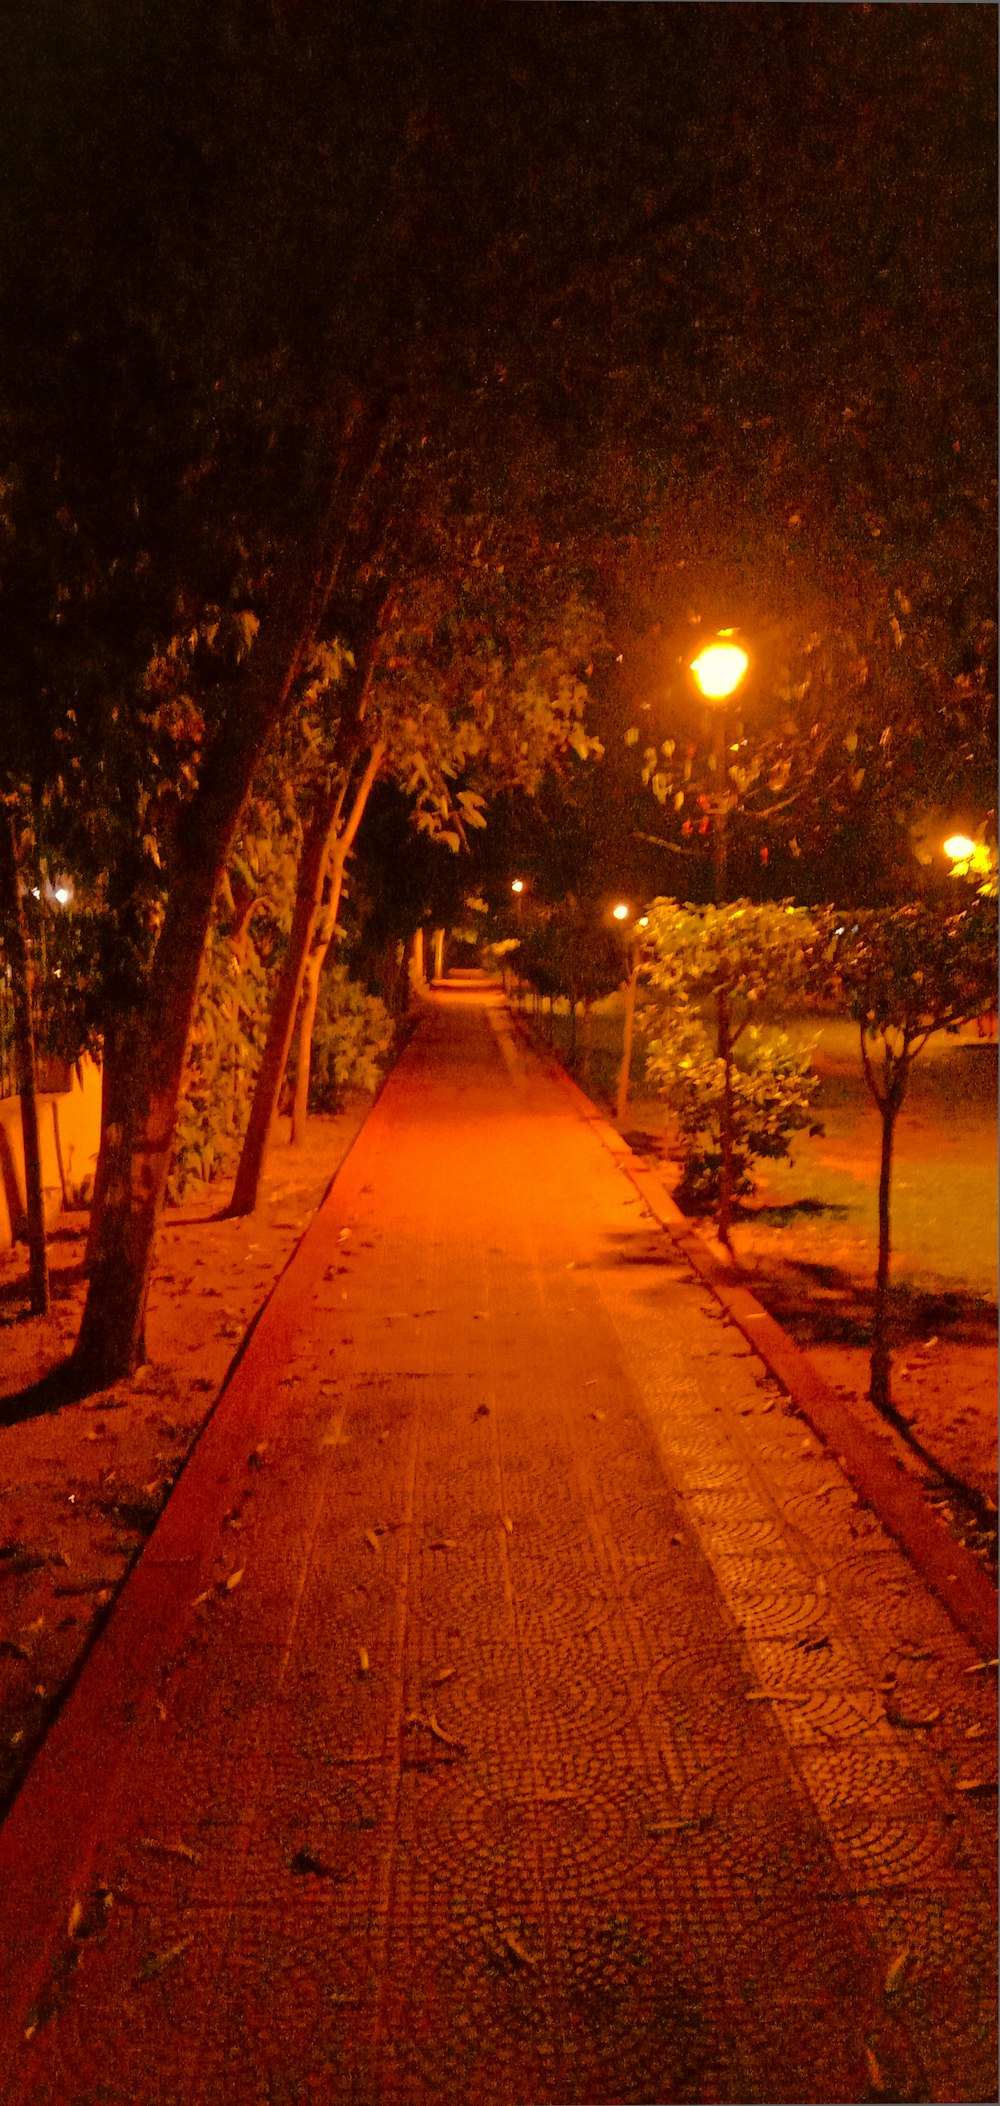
(63, 895)
(718, 669)
(622, 911)
(959, 848)
(517, 884)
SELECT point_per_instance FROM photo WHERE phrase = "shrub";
(773, 1092)
(351, 1038)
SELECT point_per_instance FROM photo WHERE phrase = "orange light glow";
(622, 911)
(719, 669)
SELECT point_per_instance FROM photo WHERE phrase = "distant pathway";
(512, 1704)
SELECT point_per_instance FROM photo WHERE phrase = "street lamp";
(958, 848)
(622, 911)
(718, 669)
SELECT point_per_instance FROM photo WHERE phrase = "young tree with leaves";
(909, 972)
(734, 957)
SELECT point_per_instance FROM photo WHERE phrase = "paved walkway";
(513, 1703)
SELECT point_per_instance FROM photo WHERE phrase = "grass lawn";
(822, 1205)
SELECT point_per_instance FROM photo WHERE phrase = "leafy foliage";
(352, 1037)
(569, 951)
(908, 973)
(773, 1093)
(742, 954)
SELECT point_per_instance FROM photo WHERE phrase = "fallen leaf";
(156, 1962)
(363, 1664)
(878, 2082)
(482, 1411)
(977, 1787)
(894, 1972)
(372, 1541)
(508, 1524)
(444, 1543)
(430, 1725)
(899, 1718)
(255, 1459)
(518, 1951)
(598, 1415)
(305, 1862)
(156, 1848)
(199, 1598)
(438, 1731)
(980, 1667)
(685, 1823)
(74, 1919)
(775, 1696)
(233, 1579)
(444, 1674)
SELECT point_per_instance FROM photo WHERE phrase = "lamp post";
(621, 913)
(718, 670)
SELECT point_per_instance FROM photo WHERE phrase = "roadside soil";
(82, 1486)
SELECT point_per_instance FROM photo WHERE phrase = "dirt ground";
(81, 1488)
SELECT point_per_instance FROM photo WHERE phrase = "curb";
(955, 1575)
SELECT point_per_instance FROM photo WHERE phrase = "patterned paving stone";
(570, 1734)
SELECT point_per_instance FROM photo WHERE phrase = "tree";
(733, 956)
(570, 950)
(17, 945)
(460, 683)
(908, 973)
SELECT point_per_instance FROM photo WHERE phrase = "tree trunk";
(151, 1045)
(146, 1060)
(725, 1120)
(881, 1359)
(628, 1032)
(103, 1157)
(587, 1044)
(337, 860)
(19, 953)
(308, 901)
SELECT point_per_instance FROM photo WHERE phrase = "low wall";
(69, 1126)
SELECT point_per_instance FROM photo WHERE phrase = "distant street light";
(958, 848)
(622, 911)
(517, 885)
